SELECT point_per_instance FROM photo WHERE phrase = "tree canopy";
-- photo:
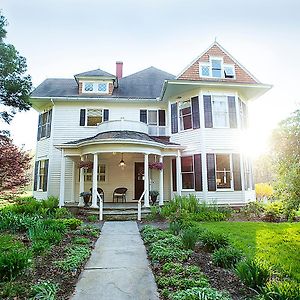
(15, 85)
(286, 150)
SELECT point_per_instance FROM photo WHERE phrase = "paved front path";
(118, 267)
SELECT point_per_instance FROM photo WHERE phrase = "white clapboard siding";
(43, 148)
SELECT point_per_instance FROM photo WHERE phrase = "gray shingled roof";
(144, 84)
(122, 135)
(96, 73)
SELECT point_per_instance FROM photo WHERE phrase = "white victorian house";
(147, 131)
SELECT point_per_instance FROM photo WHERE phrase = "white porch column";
(161, 183)
(95, 183)
(146, 180)
(62, 179)
(178, 175)
(81, 184)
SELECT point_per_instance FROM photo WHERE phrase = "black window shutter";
(198, 172)
(162, 117)
(105, 115)
(82, 117)
(211, 171)
(174, 178)
(207, 112)
(143, 115)
(195, 112)
(49, 121)
(174, 118)
(39, 127)
(232, 112)
(46, 176)
(36, 169)
(236, 165)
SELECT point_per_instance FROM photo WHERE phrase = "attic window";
(95, 87)
(229, 71)
(215, 68)
(88, 86)
(102, 87)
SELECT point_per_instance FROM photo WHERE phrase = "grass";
(277, 244)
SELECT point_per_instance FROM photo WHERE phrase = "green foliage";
(253, 273)
(175, 227)
(200, 293)
(88, 230)
(226, 257)
(281, 290)
(13, 262)
(151, 234)
(286, 150)
(61, 213)
(81, 241)
(189, 238)
(274, 211)
(92, 218)
(72, 223)
(45, 290)
(253, 209)
(40, 247)
(13, 290)
(212, 240)
(76, 255)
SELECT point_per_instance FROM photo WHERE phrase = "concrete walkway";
(118, 267)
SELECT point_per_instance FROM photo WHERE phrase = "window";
(95, 87)
(215, 68)
(223, 171)
(220, 112)
(247, 170)
(94, 117)
(40, 175)
(187, 172)
(44, 126)
(101, 177)
(185, 115)
(156, 120)
(152, 117)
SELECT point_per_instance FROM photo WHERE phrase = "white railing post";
(100, 207)
(140, 207)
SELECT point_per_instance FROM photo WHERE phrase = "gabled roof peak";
(95, 73)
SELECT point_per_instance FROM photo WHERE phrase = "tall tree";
(15, 85)
(286, 149)
(14, 166)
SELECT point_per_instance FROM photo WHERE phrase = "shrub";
(39, 247)
(200, 293)
(151, 234)
(253, 273)
(61, 213)
(189, 238)
(13, 290)
(175, 227)
(254, 208)
(179, 269)
(92, 218)
(72, 223)
(284, 290)
(76, 255)
(81, 241)
(14, 262)
(263, 190)
(88, 230)
(45, 290)
(169, 241)
(212, 240)
(274, 211)
(226, 257)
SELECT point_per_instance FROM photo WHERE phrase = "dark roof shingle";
(94, 73)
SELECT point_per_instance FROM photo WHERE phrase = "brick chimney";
(119, 69)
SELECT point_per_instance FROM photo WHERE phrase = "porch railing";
(100, 207)
(139, 217)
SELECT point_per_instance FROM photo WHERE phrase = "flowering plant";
(156, 165)
(85, 164)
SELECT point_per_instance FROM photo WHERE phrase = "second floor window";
(220, 112)
(185, 115)
(94, 117)
(44, 126)
(156, 120)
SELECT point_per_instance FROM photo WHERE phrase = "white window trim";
(86, 117)
(38, 189)
(179, 118)
(231, 173)
(213, 112)
(223, 65)
(98, 175)
(188, 190)
(157, 126)
(95, 87)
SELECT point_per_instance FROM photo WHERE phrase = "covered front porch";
(140, 166)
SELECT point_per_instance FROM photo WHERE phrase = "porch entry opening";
(138, 179)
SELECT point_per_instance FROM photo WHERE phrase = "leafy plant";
(39, 247)
(151, 234)
(226, 257)
(76, 255)
(175, 227)
(92, 218)
(45, 290)
(281, 290)
(254, 208)
(81, 241)
(13, 290)
(274, 211)
(212, 240)
(189, 238)
(200, 293)
(253, 273)
(72, 223)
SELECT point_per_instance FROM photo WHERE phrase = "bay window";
(185, 115)
(223, 171)
(220, 112)
(187, 172)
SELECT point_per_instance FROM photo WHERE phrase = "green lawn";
(277, 244)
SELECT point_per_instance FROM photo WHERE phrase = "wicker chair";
(100, 192)
(119, 193)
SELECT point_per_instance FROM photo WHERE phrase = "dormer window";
(215, 68)
(95, 87)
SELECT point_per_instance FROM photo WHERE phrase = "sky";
(60, 38)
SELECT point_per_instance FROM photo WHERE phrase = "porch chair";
(100, 192)
(119, 193)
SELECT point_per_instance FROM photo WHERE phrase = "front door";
(138, 180)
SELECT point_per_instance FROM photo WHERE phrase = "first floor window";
(220, 112)
(223, 171)
(101, 177)
(187, 172)
(247, 168)
(94, 117)
(40, 175)
(185, 115)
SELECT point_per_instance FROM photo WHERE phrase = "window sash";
(224, 171)
(41, 174)
(94, 117)
(185, 115)
(220, 112)
(187, 172)
(101, 173)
